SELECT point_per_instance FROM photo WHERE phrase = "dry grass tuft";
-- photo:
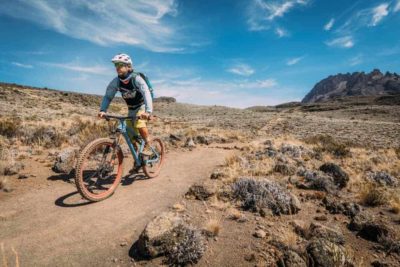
(9, 127)
(234, 214)
(212, 227)
(395, 204)
(373, 195)
(326, 143)
(397, 151)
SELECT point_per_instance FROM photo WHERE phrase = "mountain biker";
(134, 91)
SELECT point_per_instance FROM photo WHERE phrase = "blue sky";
(234, 53)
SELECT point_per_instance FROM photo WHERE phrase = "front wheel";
(153, 163)
(99, 169)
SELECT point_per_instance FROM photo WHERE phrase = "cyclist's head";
(123, 64)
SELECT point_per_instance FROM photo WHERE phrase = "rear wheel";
(154, 162)
(99, 169)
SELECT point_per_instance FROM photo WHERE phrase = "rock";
(355, 84)
(205, 140)
(378, 263)
(335, 206)
(299, 228)
(22, 176)
(175, 137)
(190, 143)
(369, 228)
(285, 169)
(325, 253)
(217, 174)
(291, 259)
(340, 177)
(200, 192)
(260, 233)
(152, 241)
(259, 194)
(321, 218)
(317, 230)
(65, 161)
(317, 180)
(14, 168)
(382, 178)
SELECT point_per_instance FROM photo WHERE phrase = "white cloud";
(397, 6)
(281, 32)
(242, 69)
(294, 61)
(76, 67)
(262, 12)
(211, 92)
(140, 23)
(342, 42)
(26, 66)
(357, 60)
(328, 26)
(368, 17)
(379, 13)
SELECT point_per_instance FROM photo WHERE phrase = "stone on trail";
(65, 161)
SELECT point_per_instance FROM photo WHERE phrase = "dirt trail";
(53, 226)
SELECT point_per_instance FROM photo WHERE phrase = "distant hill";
(355, 84)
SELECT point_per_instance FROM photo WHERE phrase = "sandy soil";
(53, 226)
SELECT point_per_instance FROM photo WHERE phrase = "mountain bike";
(99, 169)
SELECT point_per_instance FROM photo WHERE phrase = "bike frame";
(125, 131)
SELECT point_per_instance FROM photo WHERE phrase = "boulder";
(336, 206)
(190, 143)
(152, 241)
(340, 177)
(325, 253)
(370, 228)
(291, 259)
(65, 161)
(317, 180)
(317, 230)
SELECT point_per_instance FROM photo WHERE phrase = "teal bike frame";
(126, 131)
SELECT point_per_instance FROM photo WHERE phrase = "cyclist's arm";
(112, 89)
(144, 90)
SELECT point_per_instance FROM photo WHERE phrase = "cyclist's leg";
(141, 127)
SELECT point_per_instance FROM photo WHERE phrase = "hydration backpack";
(144, 77)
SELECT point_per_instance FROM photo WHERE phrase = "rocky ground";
(308, 185)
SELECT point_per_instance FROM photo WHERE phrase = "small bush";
(257, 195)
(188, 249)
(212, 227)
(46, 136)
(373, 195)
(9, 127)
(326, 143)
(87, 131)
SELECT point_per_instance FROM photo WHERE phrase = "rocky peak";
(374, 83)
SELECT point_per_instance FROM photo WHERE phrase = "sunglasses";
(119, 65)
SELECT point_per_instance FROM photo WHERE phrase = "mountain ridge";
(341, 85)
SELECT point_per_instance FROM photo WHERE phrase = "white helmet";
(122, 58)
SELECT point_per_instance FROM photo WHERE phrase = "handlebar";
(107, 117)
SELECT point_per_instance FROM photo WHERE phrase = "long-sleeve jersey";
(134, 96)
